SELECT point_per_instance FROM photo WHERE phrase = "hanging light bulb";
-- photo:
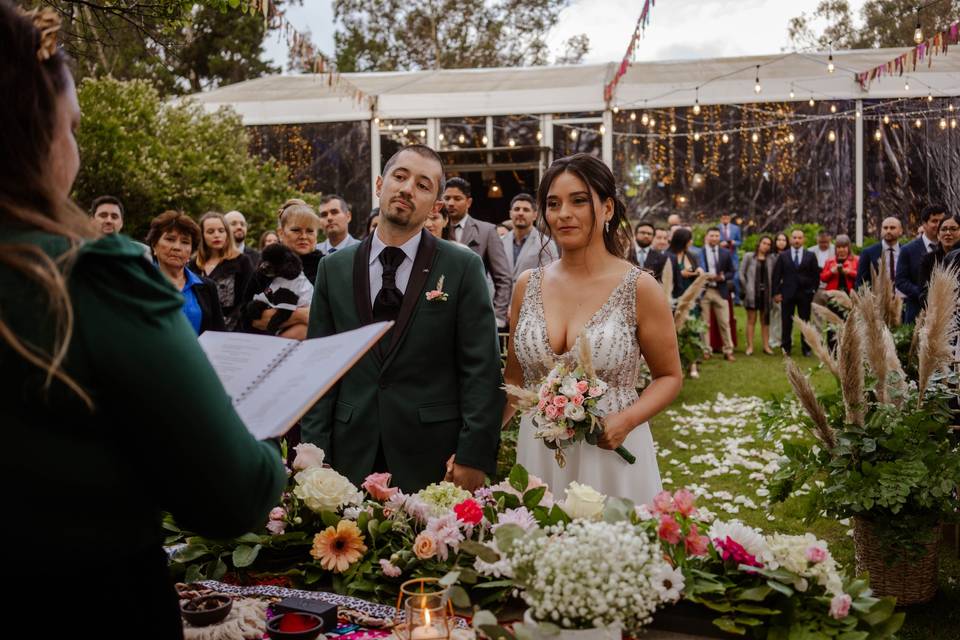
(756, 83)
(906, 84)
(878, 135)
(929, 97)
(833, 108)
(886, 119)
(755, 137)
(953, 123)
(943, 123)
(461, 139)
(423, 133)
(812, 102)
(573, 134)
(724, 138)
(539, 136)
(673, 128)
(376, 121)
(511, 142)
(633, 115)
(918, 123)
(616, 109)
(603, 129)
(696, 136)
(484, 140)
(918, 32)
(653, 123)
(830, 67)
(441, 137)
(644, 119)
(832, 136)
(950, 107)
(792, 93)
(696, 108)
(857, 114)
(405, 131)
(791, 138)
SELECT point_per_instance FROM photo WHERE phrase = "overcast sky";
(678, 28)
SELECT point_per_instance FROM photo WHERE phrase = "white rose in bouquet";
(583, 502)
(323, 489)
(574, 412)
(308, 455)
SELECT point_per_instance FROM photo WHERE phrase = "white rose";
(574, 412)
(323, 489)
(308, 455)
(569, 386)
(583, 501)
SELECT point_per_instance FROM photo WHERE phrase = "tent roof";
(453, 93)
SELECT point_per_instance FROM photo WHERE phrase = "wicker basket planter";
(909, 582)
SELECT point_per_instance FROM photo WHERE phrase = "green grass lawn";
(710, 439)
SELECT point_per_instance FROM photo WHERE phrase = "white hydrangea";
(592, 574)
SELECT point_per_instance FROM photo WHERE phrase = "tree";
(178, 45)
(390, 35)
(155, 155)
(883, 23)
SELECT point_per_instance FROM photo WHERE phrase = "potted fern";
(883, 452)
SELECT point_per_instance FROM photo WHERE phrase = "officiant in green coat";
(431, 388)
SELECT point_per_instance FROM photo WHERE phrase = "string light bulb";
(539, 136)
(616, 109)
(696, 102)
(953, 123)
(791, 138)
(755, 137)
(792, 94)
(603, 129)
(511, 142)
(696, 136)
(484, 140)
(673, 128)
(441, 137)
(757, 88)
(724, 138)
(812, 101)
(573, 134)
(423, 133)
(950, 107)
(833, 108)
(376, 121)
(830, 66)
(906, 84)
(633, 116)
(644, 119)
(943, 123)
(929, 97)
(886, 119)
(461, 138)
(918, 123)
(653, 122)
(405, 131)
(857, 113)
(832, 136)
(878, 135)
(918, 32)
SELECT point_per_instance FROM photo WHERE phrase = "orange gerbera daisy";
(338, 547)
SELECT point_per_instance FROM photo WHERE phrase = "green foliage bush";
(157, 155)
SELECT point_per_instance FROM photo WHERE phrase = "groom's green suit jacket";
(431, 388)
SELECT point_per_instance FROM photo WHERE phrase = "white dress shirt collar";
(928, 243)
(409, 247)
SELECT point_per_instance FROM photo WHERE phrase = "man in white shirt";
(335, 217)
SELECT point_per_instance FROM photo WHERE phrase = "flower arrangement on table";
(882, 451)
(619, 563)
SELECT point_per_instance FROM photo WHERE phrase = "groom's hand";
(467, 477)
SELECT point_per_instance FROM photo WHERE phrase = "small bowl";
(207, 610)
(274, 624)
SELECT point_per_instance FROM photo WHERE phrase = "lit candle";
(426, 631)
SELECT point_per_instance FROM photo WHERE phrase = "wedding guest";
(780, 244)
(107, 213)
(688, 270)
(731, 237)
(524, 246)
(335, 217)
(756, 272)
(824, 250)
(890, 232)
(172, 238)
(299, 226)
(795, 280)
(101, 377)
(219, 260)
(910, 276)
(661, 238)
(266, 239)
(373, 220)
(438, 223)
(718, 262)
(948, 239)
(840, 270)
(238, 230)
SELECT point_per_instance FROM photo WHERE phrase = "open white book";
(274, 381)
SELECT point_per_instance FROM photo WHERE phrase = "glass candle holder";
(424, 611)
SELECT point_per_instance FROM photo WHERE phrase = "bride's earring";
(606, 227)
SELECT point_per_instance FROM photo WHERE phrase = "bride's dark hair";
(600, 181)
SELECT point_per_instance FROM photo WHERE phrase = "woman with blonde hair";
(219, 259)
(112, 414)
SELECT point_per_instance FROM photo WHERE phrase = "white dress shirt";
(403, 271)
(928, 243)
(713, 254)
(326, 248)
(896, 254)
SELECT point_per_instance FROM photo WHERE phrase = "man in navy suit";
(908, 277)
(889, 246)
(718, 263)
(795, 280)
(730, 239)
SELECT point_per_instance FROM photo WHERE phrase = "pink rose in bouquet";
(378, 486)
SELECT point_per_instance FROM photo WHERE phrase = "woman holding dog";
(171, 238)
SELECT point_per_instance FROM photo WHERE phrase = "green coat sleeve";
(316, 427)
(480, 377)
(182, 435)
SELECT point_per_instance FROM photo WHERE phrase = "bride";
(625, 316)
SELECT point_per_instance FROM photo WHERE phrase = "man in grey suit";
(482, 238)
(525, 246)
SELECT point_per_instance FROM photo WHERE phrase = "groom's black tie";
(386, 306)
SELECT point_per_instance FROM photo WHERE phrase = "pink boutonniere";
(438, 293)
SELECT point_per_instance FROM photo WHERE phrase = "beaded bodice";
(612, 332)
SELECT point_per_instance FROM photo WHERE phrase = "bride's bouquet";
(564, 409)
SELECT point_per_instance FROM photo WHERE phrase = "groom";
(431, 388)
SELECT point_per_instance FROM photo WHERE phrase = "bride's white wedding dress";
(612, 332)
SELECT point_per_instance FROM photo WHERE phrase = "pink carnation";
(663, 503)
(840, 606)
(816, 554)
(684, 502)
(469, 511)
(378, 486)
(389, 569)
(669, 530)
